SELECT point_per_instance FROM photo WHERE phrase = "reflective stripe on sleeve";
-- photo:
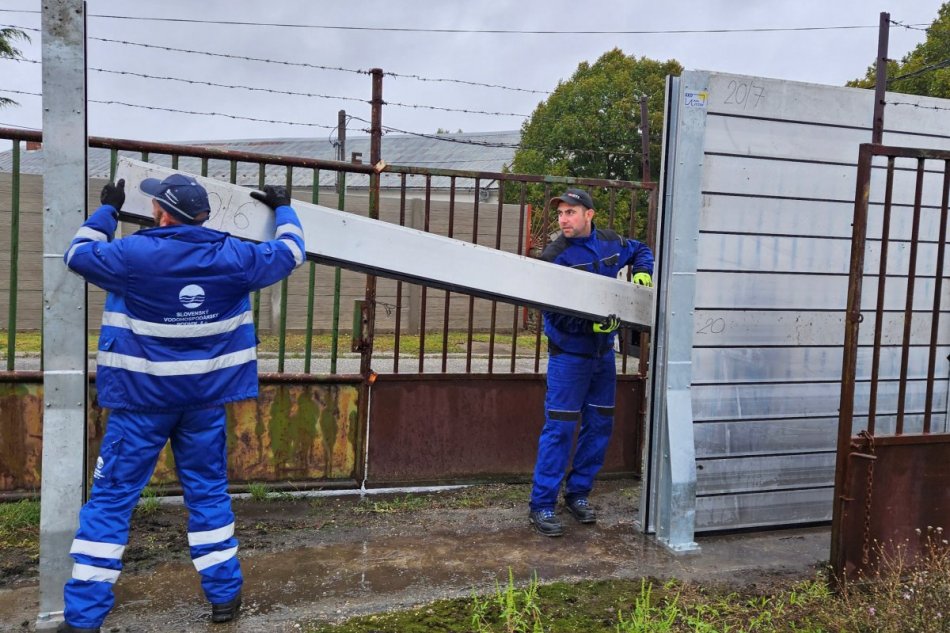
(97, 549)
(175, 367)
(294, 250)
(97, 574)
(208, 560)
(209, 537)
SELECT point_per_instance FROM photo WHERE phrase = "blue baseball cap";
(179, 195)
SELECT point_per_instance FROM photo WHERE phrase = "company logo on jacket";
(192, 296)
(97, 473)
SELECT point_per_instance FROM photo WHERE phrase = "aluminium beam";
(388, 250)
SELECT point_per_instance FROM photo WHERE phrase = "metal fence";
(314, 316)
(892, 476)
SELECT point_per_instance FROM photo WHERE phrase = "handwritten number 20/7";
(745, 94)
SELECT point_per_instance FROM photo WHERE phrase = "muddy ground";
(320, 559)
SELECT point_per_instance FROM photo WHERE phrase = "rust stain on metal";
(304, 431)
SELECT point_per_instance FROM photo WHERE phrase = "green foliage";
(514, 610)
(20, 525)
(149, 503)
(647, 617)
(258, 491)
(931, 59)
(590, 127)
(8, 36)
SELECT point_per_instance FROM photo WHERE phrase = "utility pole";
(340, 146)
(880, 83)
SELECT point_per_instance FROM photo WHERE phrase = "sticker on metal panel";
(695, 99)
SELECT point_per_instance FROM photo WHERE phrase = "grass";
(30, 342)
(149, 502)
(259, 491)
(900, 597)
(19, 525)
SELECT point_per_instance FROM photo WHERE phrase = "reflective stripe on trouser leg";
(594, 435)
(567, 381)
(200, 447)
(125, 463)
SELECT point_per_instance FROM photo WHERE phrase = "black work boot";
(226, 611)
(546, 523)
(65, 627)
(580, 509)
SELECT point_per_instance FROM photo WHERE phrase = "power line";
(480, 31)
(925, 69)
(910, 27)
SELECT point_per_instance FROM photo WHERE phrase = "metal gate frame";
(892, 487)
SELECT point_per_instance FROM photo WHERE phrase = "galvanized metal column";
(670, 509)
(64, 297)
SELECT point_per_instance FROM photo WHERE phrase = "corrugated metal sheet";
(485, 151)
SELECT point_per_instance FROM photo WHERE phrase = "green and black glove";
(643, 279)
(608, 325)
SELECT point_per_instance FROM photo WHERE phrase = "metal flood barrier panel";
(892, 478)
(757, 202)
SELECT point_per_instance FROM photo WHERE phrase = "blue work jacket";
(177, 328)
(603, 252)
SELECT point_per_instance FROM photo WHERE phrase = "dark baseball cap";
(572, 197)
(178, 194)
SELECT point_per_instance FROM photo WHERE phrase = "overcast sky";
(525, 60)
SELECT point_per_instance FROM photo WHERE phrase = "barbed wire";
(910, 27)
(179, 111)
(447, 139)
(303, 64)
(915, 105)
(921, 71)
(290, 92)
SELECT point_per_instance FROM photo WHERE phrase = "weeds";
(149, 502)
(646, 617)
(20, 525)
(515, 610)
(258, 491)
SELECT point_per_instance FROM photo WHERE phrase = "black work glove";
(113, 194)
(274, 196)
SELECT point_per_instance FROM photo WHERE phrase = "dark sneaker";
(226, 611)
(66, 627)
(580, 509)
(546, 523)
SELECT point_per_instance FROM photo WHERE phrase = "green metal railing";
(621, 201)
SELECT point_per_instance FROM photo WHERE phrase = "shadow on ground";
(324, 559)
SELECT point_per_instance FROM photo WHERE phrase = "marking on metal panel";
(695, 99)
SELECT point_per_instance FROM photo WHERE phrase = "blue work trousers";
(579, 389)
(125, 464)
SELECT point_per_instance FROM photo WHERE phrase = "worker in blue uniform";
(177, 343)
(582, 373)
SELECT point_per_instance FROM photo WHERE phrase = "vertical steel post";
(880, 83)
(14, 257)
(850, 361)
(65, 375)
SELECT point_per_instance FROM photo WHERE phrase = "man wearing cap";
(581, 376)
(177, 343)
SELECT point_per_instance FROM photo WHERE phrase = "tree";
(923, 71)
(9, 51)
(590, 125)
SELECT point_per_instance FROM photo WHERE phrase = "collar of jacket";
(185, 233)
